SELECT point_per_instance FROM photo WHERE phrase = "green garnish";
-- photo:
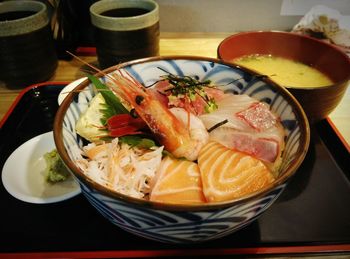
(137, 141)
(190, 88)
(55, 170)
(211, 106)
(113, 104)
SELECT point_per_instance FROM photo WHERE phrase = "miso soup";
(284, 71)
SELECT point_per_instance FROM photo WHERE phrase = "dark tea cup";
(27, 52)
(125, 30)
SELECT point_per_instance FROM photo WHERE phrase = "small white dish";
(23, 173)
(68, 88)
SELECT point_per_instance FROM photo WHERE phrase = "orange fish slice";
(228, 174)
(177, 182)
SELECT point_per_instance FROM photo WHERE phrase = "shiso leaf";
(137, 141)
(113, 104)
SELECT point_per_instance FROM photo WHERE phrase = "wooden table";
(198, 44)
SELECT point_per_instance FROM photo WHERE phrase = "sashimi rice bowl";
(181, 149)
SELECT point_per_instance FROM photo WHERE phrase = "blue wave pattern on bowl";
(182, 226)
(178, 226)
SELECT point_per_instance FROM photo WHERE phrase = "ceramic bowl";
(196, 223)
(317, 102)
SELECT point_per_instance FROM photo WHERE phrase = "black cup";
(125, 30)
(27, 52)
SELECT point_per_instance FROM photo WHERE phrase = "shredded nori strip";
(217, 125)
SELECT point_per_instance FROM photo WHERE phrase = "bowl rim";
(293, 34)
(290, 170)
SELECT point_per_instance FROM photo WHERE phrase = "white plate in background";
(68, 88)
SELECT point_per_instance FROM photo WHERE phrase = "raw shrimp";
(181, 136)
(167, 128)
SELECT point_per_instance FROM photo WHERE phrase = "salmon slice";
(177, 182)
(228, 174)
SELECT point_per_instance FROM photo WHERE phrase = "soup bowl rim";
(292, 34)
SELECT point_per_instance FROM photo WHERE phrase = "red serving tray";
(311, 216)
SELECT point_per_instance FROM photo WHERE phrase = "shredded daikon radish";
(118, 166)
